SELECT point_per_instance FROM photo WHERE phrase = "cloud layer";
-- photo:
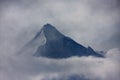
(88, 68)
(92, 23)
(89, 22)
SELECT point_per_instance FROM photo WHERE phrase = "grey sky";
(92, 23)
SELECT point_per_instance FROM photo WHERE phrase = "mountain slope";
(52, 44)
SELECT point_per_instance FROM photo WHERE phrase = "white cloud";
(88, 22)
(31, 68)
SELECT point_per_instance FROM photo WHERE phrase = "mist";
(94, 23)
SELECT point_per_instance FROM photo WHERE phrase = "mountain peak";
(48, 27)
(50, 32)
(51, 43)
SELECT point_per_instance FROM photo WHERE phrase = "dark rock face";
(59, 46)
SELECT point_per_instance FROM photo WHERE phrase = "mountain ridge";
(59, 46)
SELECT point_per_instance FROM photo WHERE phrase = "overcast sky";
(94, 23)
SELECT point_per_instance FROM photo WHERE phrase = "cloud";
(90, 23)
(32, 68)
(94, 23)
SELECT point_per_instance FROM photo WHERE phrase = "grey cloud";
(88, 22)
(94, 23)
(31, 68)
(114, 40)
